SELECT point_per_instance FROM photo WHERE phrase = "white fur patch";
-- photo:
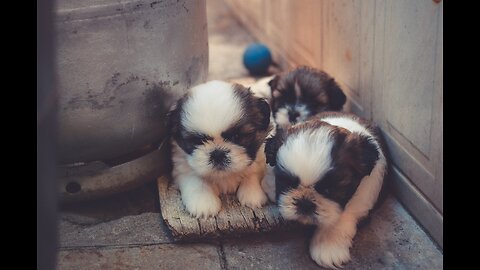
(281, 118)
(261, 88)
(199, 198)
(303, 111)
(347, 123)
(198, 114)
(307, 154)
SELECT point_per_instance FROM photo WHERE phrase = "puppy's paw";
(251, 196)
(330, 252)
(203, 204)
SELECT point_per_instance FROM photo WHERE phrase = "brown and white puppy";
(218, 131)
(328, 172)
(302, 92)
(296, 95)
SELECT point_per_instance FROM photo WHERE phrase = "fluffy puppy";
(302, 92)
(294, 96)
(218, 131)
(328, 172)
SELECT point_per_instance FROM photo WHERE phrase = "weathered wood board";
(232, 220)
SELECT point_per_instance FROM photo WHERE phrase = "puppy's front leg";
(250, 192)
(198, 197)
(330, 245)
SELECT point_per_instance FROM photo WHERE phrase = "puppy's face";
(302, 92)
(220, 126)
(318, 168)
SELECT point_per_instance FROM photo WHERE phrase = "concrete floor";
(126, 230)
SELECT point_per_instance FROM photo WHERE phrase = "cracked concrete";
(126, 231)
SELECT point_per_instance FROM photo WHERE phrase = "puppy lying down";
(330, 165)
(328, 172)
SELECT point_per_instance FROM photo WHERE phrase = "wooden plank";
(232, 220)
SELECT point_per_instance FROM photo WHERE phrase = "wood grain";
(232, 220)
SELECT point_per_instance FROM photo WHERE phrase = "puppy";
(218, 131)
(328, 172)
(302, 92)
(294, 96)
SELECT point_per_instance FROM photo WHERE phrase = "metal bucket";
(120, 66)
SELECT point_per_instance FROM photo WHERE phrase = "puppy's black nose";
(304, 206)
(292, 116)
(219, 158)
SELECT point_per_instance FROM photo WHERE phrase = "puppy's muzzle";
(292, 116)
(219, 158)
(304, 206)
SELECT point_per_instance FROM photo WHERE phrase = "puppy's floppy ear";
(368, 154)
(273, 82)
(272, 145)
(264, 109)
(335, 95)
(339, 134)
(358, 152)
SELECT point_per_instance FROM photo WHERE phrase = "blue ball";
(257, 58)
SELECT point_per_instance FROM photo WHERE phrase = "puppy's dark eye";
(234, 137)
(284, 181)
(327, 182)
(199, 139)
(338, 185)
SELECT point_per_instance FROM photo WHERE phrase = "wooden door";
(408, 103)
(347, 38)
